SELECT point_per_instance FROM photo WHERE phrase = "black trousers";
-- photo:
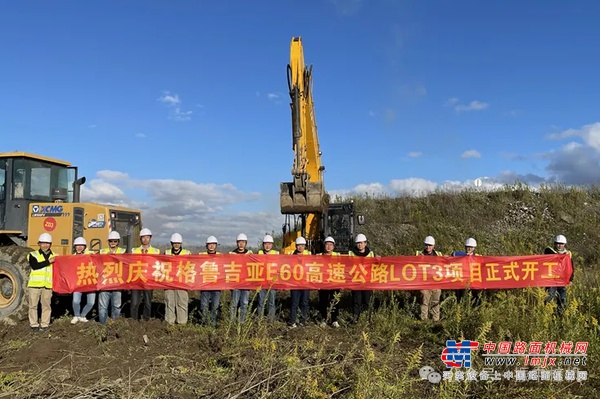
(136, 300)
(326, 298)
(362, 302)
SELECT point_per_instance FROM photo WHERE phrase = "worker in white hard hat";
(267, 294)
(560, 293)
(39, 286)
(300, 298)
(136, 295)
(176, 301)
(112, 298)
(329, 299)
(80, 248)
(430, 299)
(470, 250)
(240, 298)
(210, 299)
(362, 299)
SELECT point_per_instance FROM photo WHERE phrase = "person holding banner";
(327, 297)
(39, 285)
(430, 299)
(362, 299)
(210, 299)
(176, 301)
(240, 298)
(136, 295)
(112, 298)
(80, 246)
(470, 248)
(299, 297)
(559, 292)
(267, 294)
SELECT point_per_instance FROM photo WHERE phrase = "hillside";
(377, 358)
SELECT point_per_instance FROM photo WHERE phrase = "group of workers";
(176, 300)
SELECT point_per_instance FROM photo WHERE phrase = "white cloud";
(471, 154)
(415, 154)
(172, 101)
(180, 115)
(272, 96)
(472, 106)
(169, 99)
(451, 101)
(140, 136)
(195, 210)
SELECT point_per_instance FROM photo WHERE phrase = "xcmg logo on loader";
(47, 210)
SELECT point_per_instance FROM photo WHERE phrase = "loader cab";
(27, 178)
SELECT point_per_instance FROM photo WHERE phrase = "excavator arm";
(306, 193)
(304, 200)
(304, 197)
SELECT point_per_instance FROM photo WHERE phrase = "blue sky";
(181, 107)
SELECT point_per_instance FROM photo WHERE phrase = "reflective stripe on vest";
(435, 253)
(107, 251)
(41, 278)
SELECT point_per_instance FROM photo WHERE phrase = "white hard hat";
(212, 240)
(45, 237)
(361, 238)
(114, 235)
(329, 239)
(176, 238)
(300, 241)
(145, 232)
(242, 237)
(268, 238)
(429, 240)
(80, 241)
(470, 242)
(560, 239)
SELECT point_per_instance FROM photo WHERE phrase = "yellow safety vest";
(333, 253)
(41, 278)
(242, 253)
(271, 252)
(151, 250)
(119, 250)
(436, 253)
(305, 252)
(183, 252)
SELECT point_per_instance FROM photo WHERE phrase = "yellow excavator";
(304, 201)
(39, 195)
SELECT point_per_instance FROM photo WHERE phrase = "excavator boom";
(306, 192)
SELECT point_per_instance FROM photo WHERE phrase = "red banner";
(85, 273)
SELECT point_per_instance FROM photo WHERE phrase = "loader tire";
(14, 274)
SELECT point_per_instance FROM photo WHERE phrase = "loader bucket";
(314, 200)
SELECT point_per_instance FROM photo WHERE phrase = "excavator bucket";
(313, 200)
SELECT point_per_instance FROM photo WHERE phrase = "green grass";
(376, 358)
